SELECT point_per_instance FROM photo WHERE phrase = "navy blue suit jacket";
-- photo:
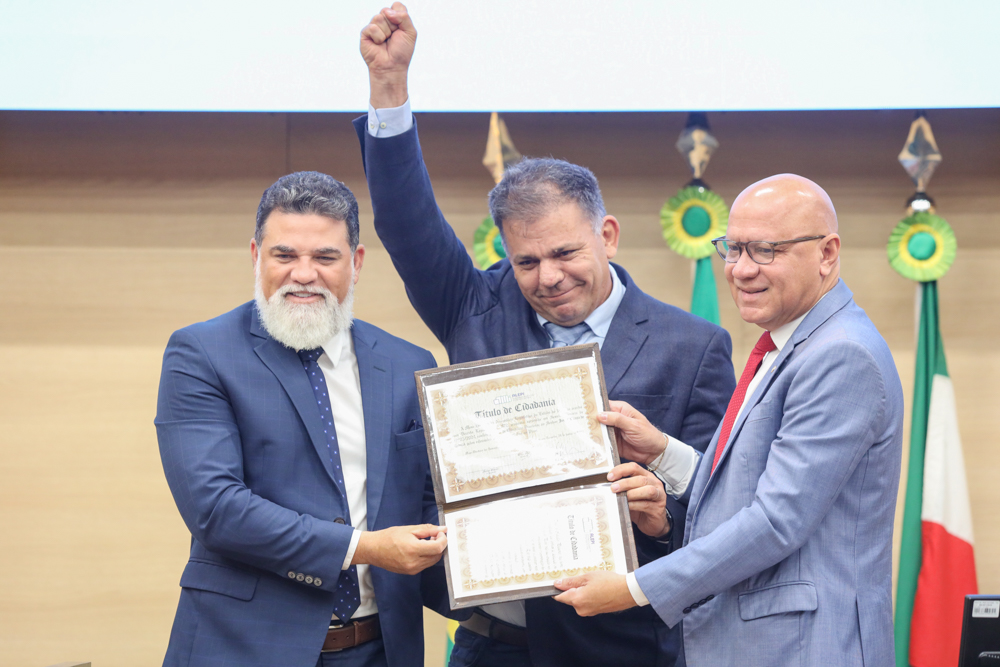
(246, 460)
(672, 366)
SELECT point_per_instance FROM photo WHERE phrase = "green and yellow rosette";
(691, 219)
(922, 247)
(486, 245)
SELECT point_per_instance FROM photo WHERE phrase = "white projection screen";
(514, 55)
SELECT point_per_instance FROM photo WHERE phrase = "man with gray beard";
(291, 440)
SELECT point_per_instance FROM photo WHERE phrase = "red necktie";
(763, 346)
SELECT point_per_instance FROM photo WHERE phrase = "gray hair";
(534, 186)
(310, 192)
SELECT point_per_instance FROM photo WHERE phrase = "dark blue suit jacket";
(672, 366)
(246, 461)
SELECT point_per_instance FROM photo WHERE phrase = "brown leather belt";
(354, 633)
(505, 633)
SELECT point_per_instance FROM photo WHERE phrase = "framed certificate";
(519, 464)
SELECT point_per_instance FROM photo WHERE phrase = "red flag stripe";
(947, 575)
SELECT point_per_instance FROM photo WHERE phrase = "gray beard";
(304, 326)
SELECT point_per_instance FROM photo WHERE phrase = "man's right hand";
(387, 46)
(401, 549)
(638, 440)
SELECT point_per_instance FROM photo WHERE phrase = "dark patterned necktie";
(565, 336)
(348, 595)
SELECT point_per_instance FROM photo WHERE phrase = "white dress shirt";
(780, 337)
(340, 368)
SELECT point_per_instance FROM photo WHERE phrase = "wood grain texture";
(116, 229)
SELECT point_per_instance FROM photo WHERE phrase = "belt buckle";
(351, 626)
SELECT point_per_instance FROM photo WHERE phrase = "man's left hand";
(647, 499)
(595, 593)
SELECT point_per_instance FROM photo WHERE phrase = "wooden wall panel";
(116, 229)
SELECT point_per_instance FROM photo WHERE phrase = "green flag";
(704, 298)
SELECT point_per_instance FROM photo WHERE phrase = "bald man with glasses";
(787, 556)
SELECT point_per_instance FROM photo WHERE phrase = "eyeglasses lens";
(762, 253)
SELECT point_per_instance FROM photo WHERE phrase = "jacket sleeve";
(826, 429)
(441, 281)
(202, 456)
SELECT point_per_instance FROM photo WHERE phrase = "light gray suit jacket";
(788, 556)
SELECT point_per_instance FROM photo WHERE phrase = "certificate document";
(520, 465)
(537, 539)
(519, 428)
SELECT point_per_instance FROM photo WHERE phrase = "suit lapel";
(515, 337)
(286, 366)
(375, 371)
(625, 334)
(834, 301)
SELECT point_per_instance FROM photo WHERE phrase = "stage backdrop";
(118, 228)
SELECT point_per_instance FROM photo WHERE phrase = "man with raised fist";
(558, 287)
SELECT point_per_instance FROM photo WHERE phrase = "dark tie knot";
(310, 355)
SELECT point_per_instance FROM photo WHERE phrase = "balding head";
(783, 208)
(792, 199)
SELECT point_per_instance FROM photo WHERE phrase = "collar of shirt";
(599, 321)
(783, 334)
(780, 336)
(336, 347)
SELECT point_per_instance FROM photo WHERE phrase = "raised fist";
(387, 46)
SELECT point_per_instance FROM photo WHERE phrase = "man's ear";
(830, 254)
(254, 251)
(359, 260)
(610, 233)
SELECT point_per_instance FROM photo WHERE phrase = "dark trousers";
(369, 654)
(472, 650)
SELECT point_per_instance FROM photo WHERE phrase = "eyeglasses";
(761, 252)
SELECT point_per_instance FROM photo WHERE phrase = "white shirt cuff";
(633, 588)
(384, 123)
(351, 549)
(676, 466)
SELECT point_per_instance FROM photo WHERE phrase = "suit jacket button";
(291, 575)
(309, 580)
(687, 610)
(300, 577)
(317, 581)
(339, 520)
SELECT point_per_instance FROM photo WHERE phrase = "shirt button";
(339, 520)
(382, 125)
(371, 126)
(300, 577)
(317, 581)
(291, 575)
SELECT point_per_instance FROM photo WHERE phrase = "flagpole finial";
(920, 157)
(500, 151)
(697, 144)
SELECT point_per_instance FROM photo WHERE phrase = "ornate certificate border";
(469, 585)
(457, 487)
